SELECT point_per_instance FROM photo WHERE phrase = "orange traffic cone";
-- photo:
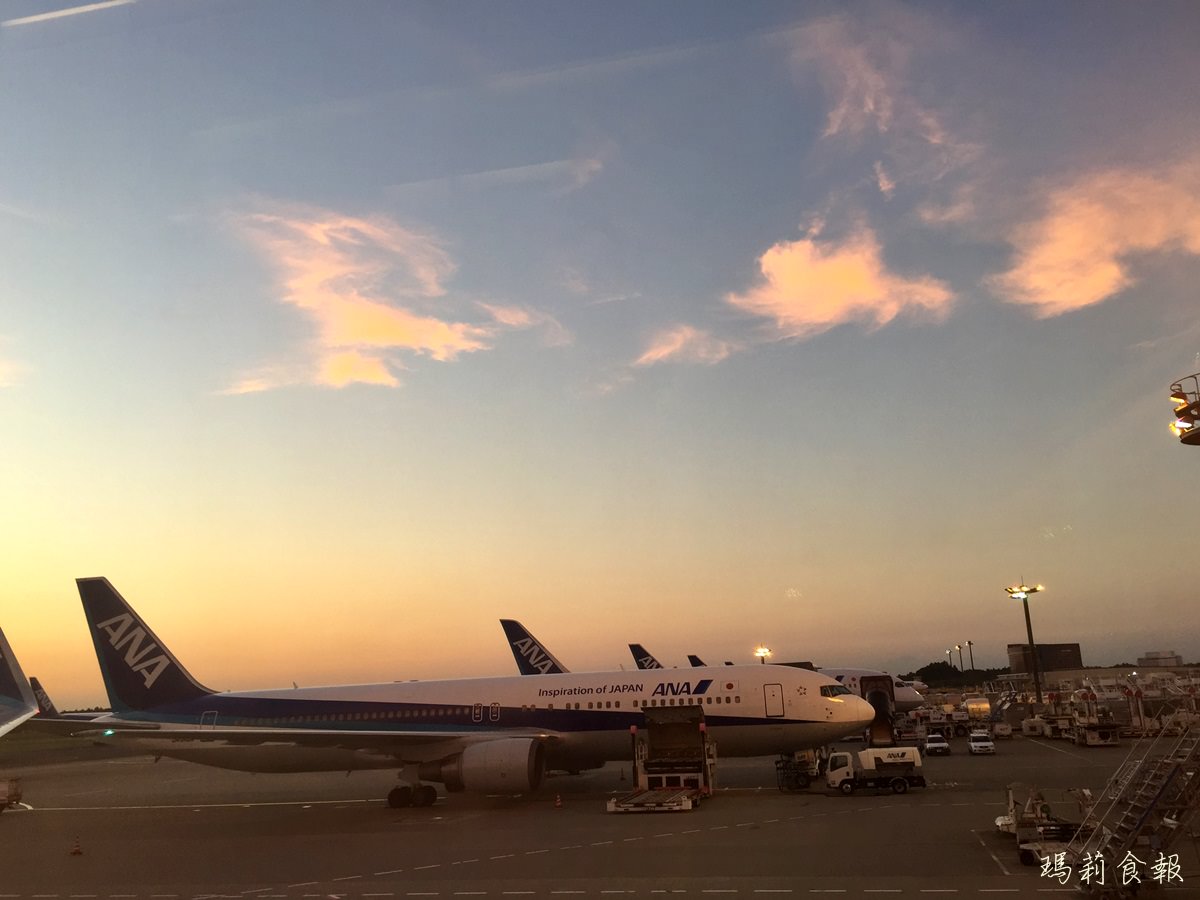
(76, 850)
(558, 801)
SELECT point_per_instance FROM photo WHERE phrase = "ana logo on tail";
(123, 631)
(538, 658)
(648, 662)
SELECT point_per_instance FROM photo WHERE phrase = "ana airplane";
(48, 712)
(475, 734)
(643, 657)
(16, 697)
(646, 660)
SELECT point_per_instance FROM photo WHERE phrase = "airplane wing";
(17, 702)
(390, 747)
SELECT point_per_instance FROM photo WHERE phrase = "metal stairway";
(1153, 800)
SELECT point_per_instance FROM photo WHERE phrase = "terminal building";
(1050, 657)
(1160, 658)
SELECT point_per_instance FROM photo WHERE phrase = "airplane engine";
(511, 766)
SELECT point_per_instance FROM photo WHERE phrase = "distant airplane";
(493, 735)
(17, 702)
(47, 711)
(644, 658)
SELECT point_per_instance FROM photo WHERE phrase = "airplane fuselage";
(584, 718)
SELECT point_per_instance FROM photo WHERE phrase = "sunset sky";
(333, 333)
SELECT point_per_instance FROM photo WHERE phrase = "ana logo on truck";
(681, 688)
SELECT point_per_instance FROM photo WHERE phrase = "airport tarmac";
(171, 830)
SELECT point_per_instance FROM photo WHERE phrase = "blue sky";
(699, 325)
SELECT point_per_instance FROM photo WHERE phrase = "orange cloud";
(810, 287)
(1078, 253)
(683, 343)
(369, 286)
(520, 317)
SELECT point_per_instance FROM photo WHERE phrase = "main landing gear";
(410, 795)
(411, 791)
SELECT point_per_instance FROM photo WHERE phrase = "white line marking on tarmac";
(627, 840)
(536, 852)
(388, 872)
(345, 878)
(503, 856)
(430, 866)
(1069, 753)
(516, 893)
(571, 847)
(998, 890)
(772, 890)
(881, 890)
(458, 894)
(600, 843)
(995, 858)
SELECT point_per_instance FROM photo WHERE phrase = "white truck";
(883, 768)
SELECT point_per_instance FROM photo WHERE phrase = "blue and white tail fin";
(17, 702)
(139, 672)
(695, 662)
(531, 656)
(643, 657)
(45, 705)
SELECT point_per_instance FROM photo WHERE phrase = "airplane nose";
(860, 712)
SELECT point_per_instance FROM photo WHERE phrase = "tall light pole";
(1021, 592)
(958, 647)
(970, 645)
(950, 657)
(762, 653)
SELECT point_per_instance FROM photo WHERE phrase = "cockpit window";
(833, 690)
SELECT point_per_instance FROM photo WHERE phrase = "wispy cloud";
(887, 186)
(521, 317)
(1077, 253)
(683, 343)
(809, 287)
(565, 174)
(368, 285)
(866, 72)
(17, 212)
(64, 13)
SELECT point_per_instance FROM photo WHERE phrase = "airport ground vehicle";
(980, 742)
(1043, 820)
(936, 745)
(674, 762)
(796, 771)
(1001, 730)
(883, 768)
